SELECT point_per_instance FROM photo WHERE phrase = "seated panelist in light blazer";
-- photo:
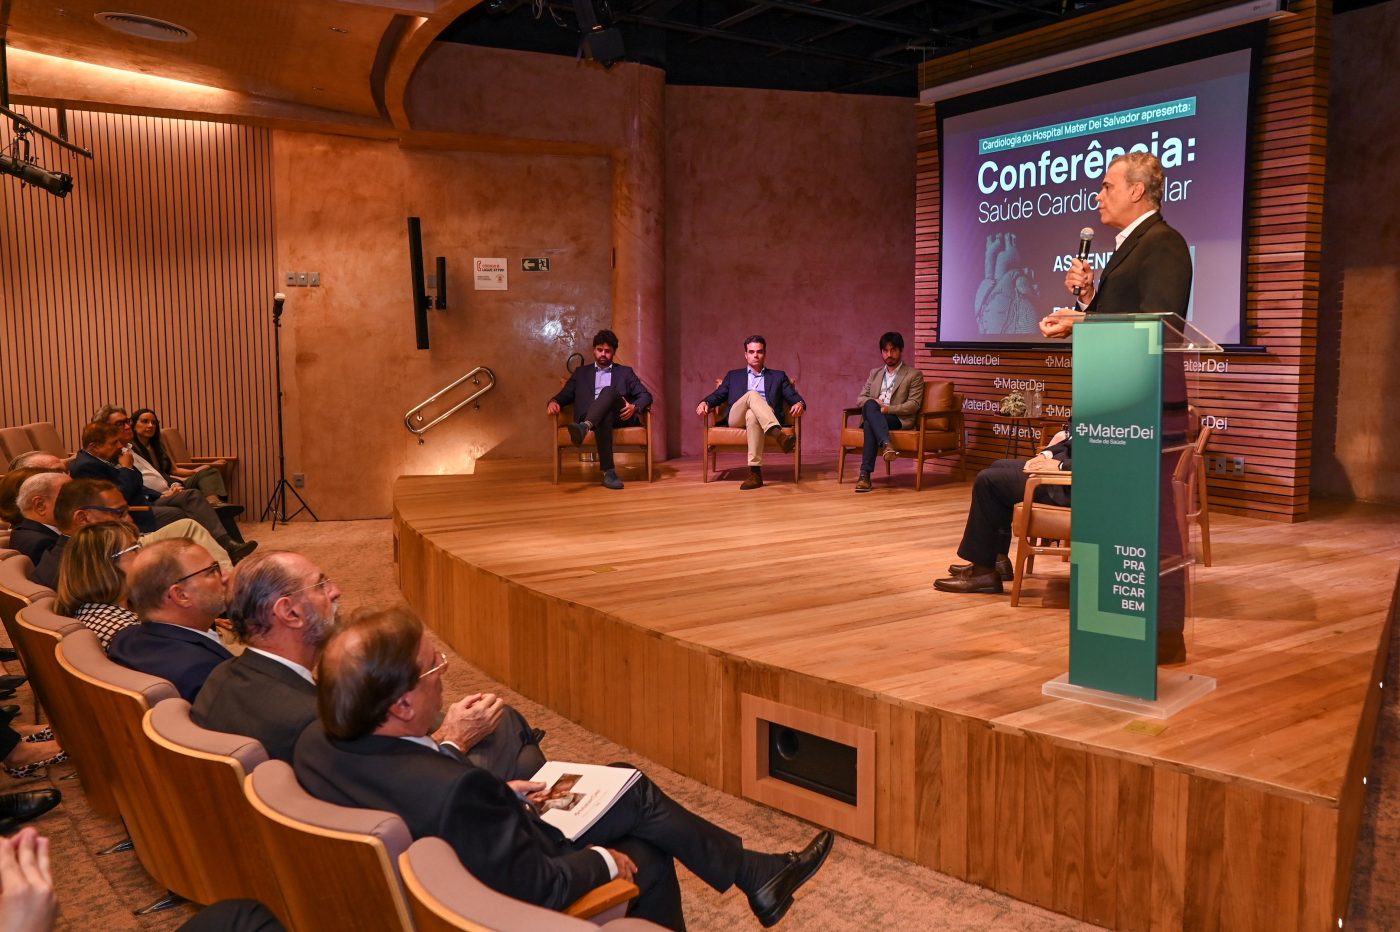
(892, 398)
(758, 397)
(605, 396)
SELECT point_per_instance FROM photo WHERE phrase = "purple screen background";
(999, 276)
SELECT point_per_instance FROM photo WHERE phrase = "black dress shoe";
(770, 902)
(536, 735)
(8, 653)
(8, 713)
(1004, 569)
(578, 432)
(11, 683)
(18, 808)
(989, 582)
(227, 510)
(610, 480)
(237, 551)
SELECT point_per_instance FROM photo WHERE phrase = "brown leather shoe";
(785, 441)
(889, 453)
(989, 583)
(754, 481)
(863, 483)
(1004, 569)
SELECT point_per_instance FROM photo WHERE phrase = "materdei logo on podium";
(489, 274)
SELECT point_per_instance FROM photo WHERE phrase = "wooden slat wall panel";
(149, 285)
(1265, 401)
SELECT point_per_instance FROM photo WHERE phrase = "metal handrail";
(414, 415)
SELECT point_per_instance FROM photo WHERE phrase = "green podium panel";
(1118, 404)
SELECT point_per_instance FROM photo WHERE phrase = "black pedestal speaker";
(817, 764)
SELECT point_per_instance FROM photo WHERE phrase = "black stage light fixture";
(599, 43)
(56, 183)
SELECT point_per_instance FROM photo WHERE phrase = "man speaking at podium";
(1150, 272)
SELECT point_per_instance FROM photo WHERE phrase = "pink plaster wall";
(790, 215)
(351, 370)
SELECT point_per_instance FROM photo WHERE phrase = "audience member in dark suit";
(102, 457)
(282, 608)
(1150, 272)
(604, 396)
(37, 529)
(758, 399)
(177, 589)
(381, 694)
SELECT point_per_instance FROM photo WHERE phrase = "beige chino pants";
(753, 412)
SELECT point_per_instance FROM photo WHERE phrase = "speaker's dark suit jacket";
(33, 539)
(578, 391)
(1149, 274)
(501, 840)
(126, 478)
(778, 391)
(255, 696)
(184, 657)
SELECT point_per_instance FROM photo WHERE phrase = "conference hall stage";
(677, 617)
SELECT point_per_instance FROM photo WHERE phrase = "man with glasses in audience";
(177, 589)
(78, 502)
(103, 457)
(283, 608)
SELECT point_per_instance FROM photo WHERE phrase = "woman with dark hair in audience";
(92, 578)
(207, 480)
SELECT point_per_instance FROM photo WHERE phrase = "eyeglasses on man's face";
(119, 510)
(211, 568)
(442, 662)
(321, 584)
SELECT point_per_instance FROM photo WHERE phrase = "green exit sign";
(534, 265)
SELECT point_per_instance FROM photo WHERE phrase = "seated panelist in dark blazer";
(758, 399)
(380, 696)
(605, 395)
(283, 608)
(177, 589)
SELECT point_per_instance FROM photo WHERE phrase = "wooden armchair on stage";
(716, 435)
(937, 433)
(624, 438)
(1038, 529)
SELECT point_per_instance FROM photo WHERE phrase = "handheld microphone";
(1086, 238)
(277, 301)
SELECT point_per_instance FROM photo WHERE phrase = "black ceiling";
(845, 46)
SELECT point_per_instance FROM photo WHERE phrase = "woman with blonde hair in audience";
(145, 426)
(92, 577)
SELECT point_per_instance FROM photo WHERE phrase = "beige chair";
(45, 437)
(716, 435)
(13, 442)
(200, 774)
(1038, 529)
(179, 453)
(36, 634)
(443, 896)
(114, 701)
(635, 438)
(338, 865)
(17, 590)
(937, 433)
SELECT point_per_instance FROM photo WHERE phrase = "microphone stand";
(277, 502)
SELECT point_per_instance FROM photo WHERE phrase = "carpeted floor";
(858, 889)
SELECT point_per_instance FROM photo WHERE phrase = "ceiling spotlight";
(144, 27)
(340, 29)
(56, 183)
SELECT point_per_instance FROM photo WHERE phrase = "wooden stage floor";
(647, 614)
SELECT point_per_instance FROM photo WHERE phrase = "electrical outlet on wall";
(299, 480)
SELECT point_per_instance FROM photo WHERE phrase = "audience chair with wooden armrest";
(338, 865)
(716, 435)
(445, 896)
(638, 438)
(13, 442)
(1038, 528)
(36, 635)
(937, 433)
(115, 700)
(44, 436)
(214, 824)
(179, 453)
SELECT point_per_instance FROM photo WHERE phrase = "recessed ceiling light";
(144, 27)
(315, 88)
(340, 29)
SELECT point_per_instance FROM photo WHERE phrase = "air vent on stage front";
(145, 27)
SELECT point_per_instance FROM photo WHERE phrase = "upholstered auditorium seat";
(44, 436)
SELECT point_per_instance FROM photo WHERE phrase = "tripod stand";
(277, 502)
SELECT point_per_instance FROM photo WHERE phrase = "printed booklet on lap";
(576, 795)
